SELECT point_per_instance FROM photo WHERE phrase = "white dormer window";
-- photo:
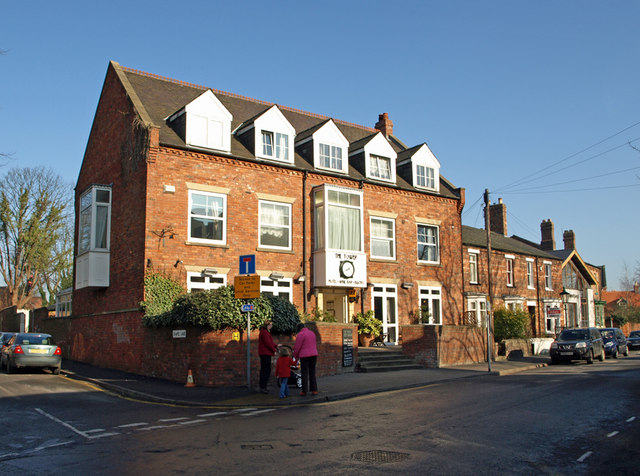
(425, 177)
(271, 134)
(330, 156)
(379, 157)
(380, 167)
(278, 150)
(204, 122)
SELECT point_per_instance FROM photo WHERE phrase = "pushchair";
(295, 380)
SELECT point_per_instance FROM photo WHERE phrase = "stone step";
(383, 359)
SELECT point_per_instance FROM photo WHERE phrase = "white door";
(385, 308)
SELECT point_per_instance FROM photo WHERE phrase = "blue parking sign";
(248, 264)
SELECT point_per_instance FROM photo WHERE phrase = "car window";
(607, 334)
(573, 335)
(635, 334)
(36, 340)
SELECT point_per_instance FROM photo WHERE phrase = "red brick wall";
(443, 346)
(215, 359)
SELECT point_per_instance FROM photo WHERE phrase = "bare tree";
(35, 205)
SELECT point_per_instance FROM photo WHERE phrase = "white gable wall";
(330, 134)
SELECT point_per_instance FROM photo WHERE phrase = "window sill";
(383, 260)
(275, 250)
(428, 263)
(209, 245)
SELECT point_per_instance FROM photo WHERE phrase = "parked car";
(31, 350)
(633, 341)
(577, 344)
(614, 342)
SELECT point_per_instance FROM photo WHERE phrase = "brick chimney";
(569, 239)
(384, 124)
(548, 242)
(498, 218)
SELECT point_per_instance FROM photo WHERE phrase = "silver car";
(31, 350)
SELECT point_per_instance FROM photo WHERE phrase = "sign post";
(247, 286)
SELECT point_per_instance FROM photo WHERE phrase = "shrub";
(368, 324)
(218, 309)
(318, 315)
(160, 292)
(508, 324)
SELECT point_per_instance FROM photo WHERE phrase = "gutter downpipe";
(304, 240)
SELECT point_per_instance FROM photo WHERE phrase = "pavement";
(331, 388)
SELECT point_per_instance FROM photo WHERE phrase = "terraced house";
(186, 179)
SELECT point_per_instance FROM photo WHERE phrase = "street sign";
(179, 333)
(247, 307)
(248, 264)
(247, 287)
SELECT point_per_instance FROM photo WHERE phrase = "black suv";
(577, 344)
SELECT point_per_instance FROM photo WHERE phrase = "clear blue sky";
(514, 96)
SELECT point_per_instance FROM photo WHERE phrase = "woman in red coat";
(266, 350)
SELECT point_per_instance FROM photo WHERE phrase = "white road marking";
(191, 422)
(129, 425)
(157, 427)
(613, 433)
(168, 420)
(95, 431)
(629, 420)
(584, 456)
(266, 410)
(57, 420)
(212, 414)
(103, 435)
(241, 410)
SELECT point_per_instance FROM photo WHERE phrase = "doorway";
(385, 308)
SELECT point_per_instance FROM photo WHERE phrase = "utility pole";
(487, 226)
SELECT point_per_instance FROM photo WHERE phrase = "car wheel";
(614, 354)
(626, 351)
(10, 368)
(590, 357)
(55, 370)
(601, 358)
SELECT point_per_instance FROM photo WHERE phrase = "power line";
(517, 182)
(578, 180)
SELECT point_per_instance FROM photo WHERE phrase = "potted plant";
(369, 327)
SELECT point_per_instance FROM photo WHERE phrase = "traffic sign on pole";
(248, 264)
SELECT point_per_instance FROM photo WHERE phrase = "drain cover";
(379, 456)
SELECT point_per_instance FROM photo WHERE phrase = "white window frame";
(478, 305)
(473, 266)
(530, 277)
(330, 161)
(509, 263)
(94, 213)
(286, 227)
(425, 177)
(276, 146)
(223, 220)
(430, 294)
(548, 277)
(322, 209)
(435, 245)
(375, 169)
(389, 241)
(208, 281)
(277, 287)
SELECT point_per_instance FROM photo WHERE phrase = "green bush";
(368, 324)
(218, 309)
(318, 315)
(508, 324)
(160, 291)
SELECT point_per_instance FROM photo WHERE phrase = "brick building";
(184, 179)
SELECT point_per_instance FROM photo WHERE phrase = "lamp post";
(565, 299)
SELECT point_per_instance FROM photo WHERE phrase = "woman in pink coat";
(306, 350)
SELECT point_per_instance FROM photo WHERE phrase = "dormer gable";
(420, 168)
(272, 135)
(378, 156)
(204, 122)
(328, 147)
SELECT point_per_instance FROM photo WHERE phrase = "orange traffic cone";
(190, 382)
